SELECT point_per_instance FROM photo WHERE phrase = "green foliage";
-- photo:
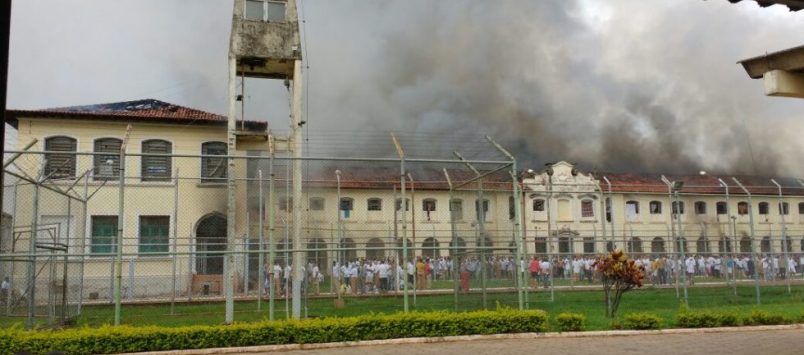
(107, 339)
(643, 320)
(707, 319)
(758, 317)
(570, 322)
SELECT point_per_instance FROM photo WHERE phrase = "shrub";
(105, 340)
(570, 322)
(642, 321)
(706, 319)
(758, 317)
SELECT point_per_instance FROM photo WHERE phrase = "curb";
(402, 341)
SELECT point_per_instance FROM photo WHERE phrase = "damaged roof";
(145, 110)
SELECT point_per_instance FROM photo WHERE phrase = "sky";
(614, 85)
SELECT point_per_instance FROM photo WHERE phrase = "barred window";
(538, 205)
(700, 207)
(154, 234)
(399, 204)
(721, 207)
(763, 208)
(784, 208)
(428, 206)
(213, 169)
(375, 204)
(156, 168)
(678, 207)
(107, 166)
(586, 209)
(104, 235)
(655, 207)
(60, 166)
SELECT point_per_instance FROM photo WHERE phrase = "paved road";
(731, 343)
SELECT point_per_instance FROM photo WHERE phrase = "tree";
(620, 275)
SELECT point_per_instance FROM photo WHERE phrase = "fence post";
(175, 242)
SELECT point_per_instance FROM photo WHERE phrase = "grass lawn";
(659, 301)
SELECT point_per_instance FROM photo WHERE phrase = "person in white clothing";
(691, 270)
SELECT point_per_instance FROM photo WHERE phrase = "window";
(540, 245)
(485, 209)
(428, 206)
(156, 168)
(346, 205)
(765, 245)
(104, 235)
(213, 169)
(655, 207)
(154, 234)
(375, 204)
(285, 204)
(763, 208)
(801, 208)
(538, 205)
(608, 210)
(399, 204)
(107, 166)
(456, 209)
(588, 245)
(60, 166)
(316, 203)
(260, 10)
(678, 207)
(631, 210)
(721, 207)
(700, 207)
(742, 208)
(784, 208)
(587, 209)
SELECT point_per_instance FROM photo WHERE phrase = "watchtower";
(265, 44)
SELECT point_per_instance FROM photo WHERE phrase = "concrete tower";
(265, 44)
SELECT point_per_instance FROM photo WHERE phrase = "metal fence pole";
(271, 242)
(751, 228)
(782, 212)
(31, 269)
(175, 242)
(120, 229)
(404, 208)
(261, 277)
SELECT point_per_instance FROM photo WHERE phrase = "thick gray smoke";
(628, 85)
(624, 85)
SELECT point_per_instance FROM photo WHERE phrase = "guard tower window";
(261, 10)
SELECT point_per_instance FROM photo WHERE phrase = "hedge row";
(709, 319)
(108, 339)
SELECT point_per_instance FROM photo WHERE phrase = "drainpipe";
(751, 227)
(785, 243)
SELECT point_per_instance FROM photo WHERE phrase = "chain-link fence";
(374, 235)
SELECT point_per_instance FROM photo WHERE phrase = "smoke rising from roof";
(621, 85)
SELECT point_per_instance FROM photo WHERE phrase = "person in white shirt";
(353, 271)
(382, 270)
(277, 278)
(315, 278)
(546, 271)
(5, 290)
(335, 277)
(691, 270)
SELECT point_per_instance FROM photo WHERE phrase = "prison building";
(174, 223)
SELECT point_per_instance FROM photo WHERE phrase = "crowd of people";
(382, 275)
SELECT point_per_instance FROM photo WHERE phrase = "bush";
(706, 319)
(108, 339)
(758, 317)
(641, 321)
(570, 322)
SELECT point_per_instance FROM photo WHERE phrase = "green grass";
(662, 302)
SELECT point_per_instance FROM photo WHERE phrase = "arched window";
(213, 169)
(784, 208)
(657, 245)
(587, 209)
(724, 245)
(458, 247)
(540, 245)
(60, 166)
(107, 166)
(721, 207)
(430, 248)
(745, 245)
(428, 207)
(156, 168)
(635, 245)
(399, 204)
(564, 246)
(349, 249)
(700, 207)
(346, 206)
(374, 248)
(786, 246)
(742, 208)
(374, 204)
(631, 210)
(765, 245)
(702, 245)
(655, 207)
(588, 245)
(678, 207)
(763, 208)
(801, 208)
(538, 205)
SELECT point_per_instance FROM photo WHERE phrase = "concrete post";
(296, 127)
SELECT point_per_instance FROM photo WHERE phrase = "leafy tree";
(620, 275)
